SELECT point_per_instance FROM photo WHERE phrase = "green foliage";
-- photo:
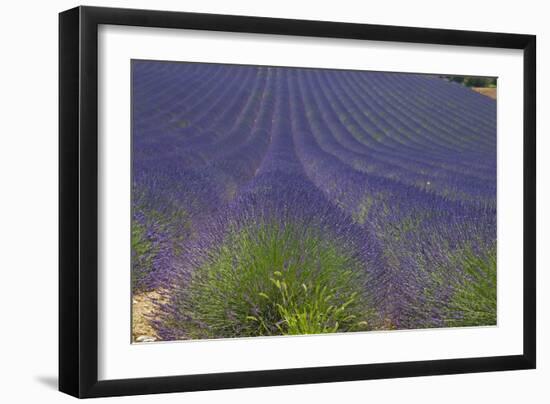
(155, 232)
(143, 253)
(474, 298)
(475, 82)
(269, 279)
(363, 209)
(472, 81)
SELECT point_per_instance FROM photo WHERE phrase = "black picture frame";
(78, 201)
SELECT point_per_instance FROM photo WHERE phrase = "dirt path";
(488, 91)
(142, 307)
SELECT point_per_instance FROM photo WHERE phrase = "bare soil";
(143, 306)
(488, 91)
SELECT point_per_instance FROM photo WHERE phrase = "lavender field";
(281, 201)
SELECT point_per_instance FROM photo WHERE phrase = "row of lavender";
(393, 174)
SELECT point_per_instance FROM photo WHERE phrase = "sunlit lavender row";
(280, 201)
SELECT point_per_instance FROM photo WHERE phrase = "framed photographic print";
(250, 201)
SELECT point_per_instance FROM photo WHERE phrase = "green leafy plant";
(273, 279)
(474, 298)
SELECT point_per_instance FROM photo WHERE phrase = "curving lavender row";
(272, 201)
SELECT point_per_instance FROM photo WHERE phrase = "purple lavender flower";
(394, 172)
